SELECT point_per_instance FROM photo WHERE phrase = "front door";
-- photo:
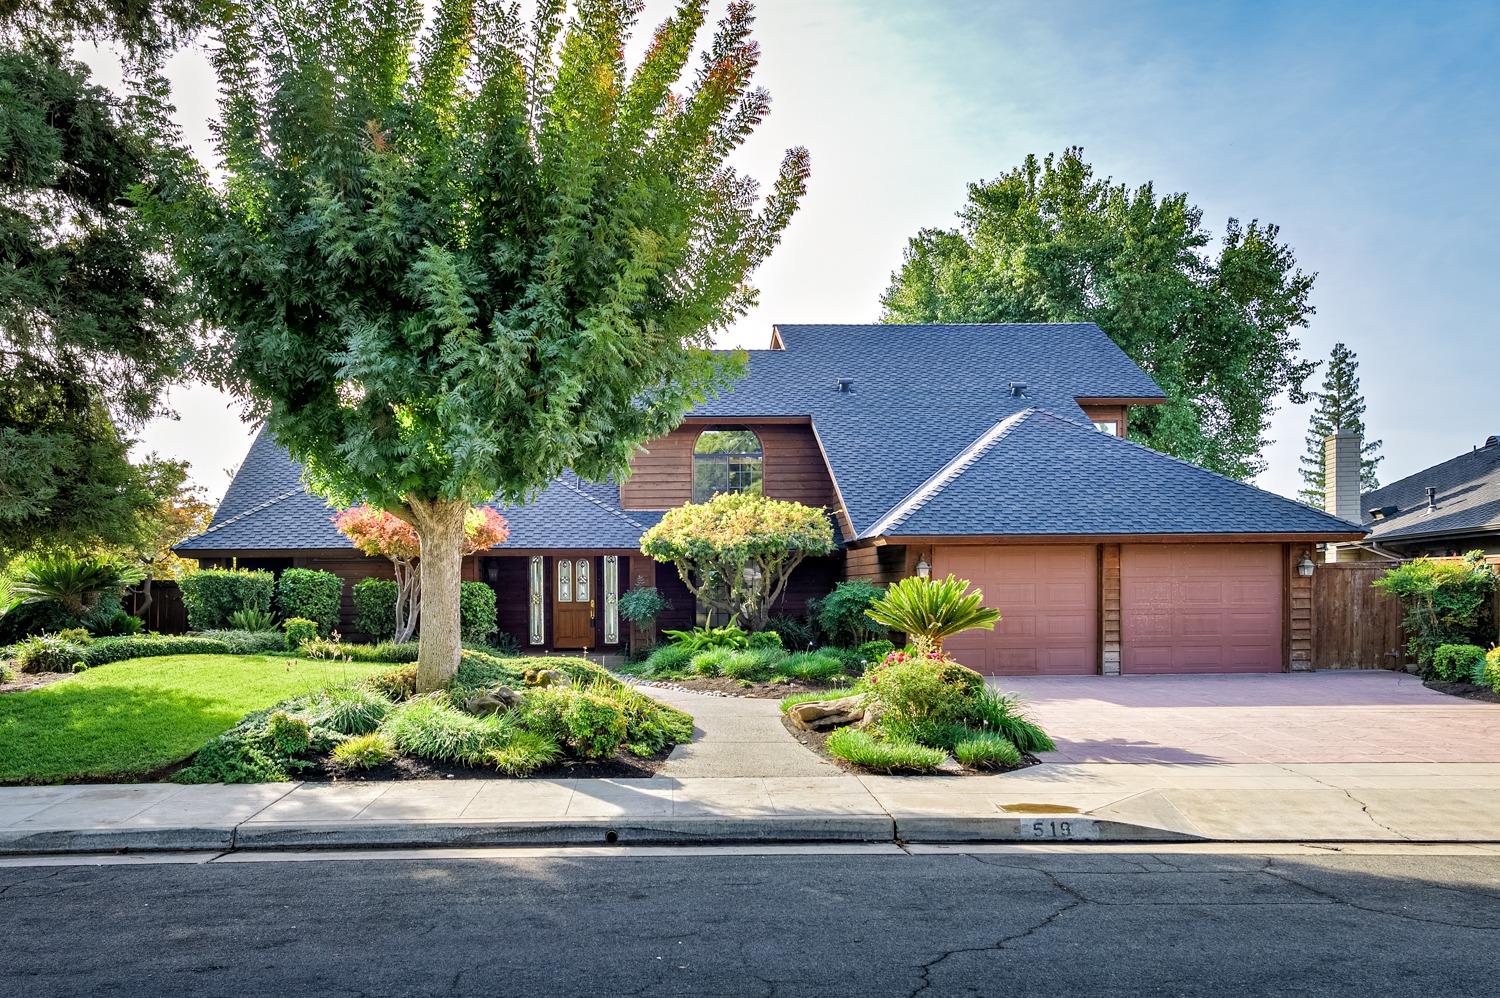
(573, 603)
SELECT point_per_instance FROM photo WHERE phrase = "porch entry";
(573, 604)
(583, 595)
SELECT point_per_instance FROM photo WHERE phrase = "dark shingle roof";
(1036, 473)
(1468, 498)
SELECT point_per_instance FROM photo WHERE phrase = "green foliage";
(77, 590)
(712, 661)
(986, 750)
(874, 652)
(119, 624)
(1492, 669)
(1050, 242)
(479, 670)
(765, 641)
(998, 712)
(862, 749)
(311, 595)
(736, 551)
(349, 710)
(752, 665)
(930, 610)
(799, 633)
(375, 608)
(247, 642)
(211, 595)
(476, 605)
(523, 753)
(395, 684)
(650, 725)
(106, 650)
(1458, 663)
(706, 638)
(811, 666)
(364, 751)
(1446, 602)
(299, 631)
(923, 689)
(430, 727)
(1339, 406)
(252, 620)
(842, 616)
(668, 661)
(288, 734)
(269, 745)
(643, 605)
(595, 724)
(47, 653)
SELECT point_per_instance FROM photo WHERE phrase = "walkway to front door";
(1319, 717)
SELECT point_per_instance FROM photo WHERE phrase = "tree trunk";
(440, 529)
(408, 599)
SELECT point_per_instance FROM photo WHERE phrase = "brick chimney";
(1341, 459)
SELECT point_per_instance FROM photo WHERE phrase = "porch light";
(1305, 567)
(924, 570)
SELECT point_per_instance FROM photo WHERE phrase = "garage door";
(1048, 598)
(1200, 608)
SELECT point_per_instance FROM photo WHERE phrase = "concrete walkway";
(1361, 802)
(737, 737)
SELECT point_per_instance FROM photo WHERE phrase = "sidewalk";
(1350, 802)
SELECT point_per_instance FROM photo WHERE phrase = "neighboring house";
(994, 452)
(1447, 509)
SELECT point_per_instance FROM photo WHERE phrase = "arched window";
(726, 459)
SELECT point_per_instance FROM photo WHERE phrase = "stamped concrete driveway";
(1368, 716)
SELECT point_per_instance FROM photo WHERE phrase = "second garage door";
(1201, 608)
(1048, 598)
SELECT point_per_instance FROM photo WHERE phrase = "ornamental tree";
(451, 262)
(736, 552)
(384, 535)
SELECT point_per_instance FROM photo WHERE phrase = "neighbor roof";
(1468, 498)
(1036, 473)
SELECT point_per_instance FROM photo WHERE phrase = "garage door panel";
(1201, 608)
(1048, 600)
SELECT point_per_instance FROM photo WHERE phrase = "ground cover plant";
(708, 653)
(508, 715)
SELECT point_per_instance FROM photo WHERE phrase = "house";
(996, 452)
(1448, 509)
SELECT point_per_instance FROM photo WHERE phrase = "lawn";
(130, 719)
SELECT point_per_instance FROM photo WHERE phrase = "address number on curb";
(1060, 829)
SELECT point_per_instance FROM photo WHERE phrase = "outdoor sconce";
(924, 570)
(1305, 567)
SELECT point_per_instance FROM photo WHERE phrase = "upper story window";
(1110, 426)
(726, 459)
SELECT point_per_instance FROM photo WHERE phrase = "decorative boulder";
(822, 715)
(496, 701)
(547, 677)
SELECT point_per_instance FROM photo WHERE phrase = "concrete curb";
(1046, 828)
(115, 840)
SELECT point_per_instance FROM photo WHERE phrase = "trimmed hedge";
(1459, 663)
(106, 650)
(212, 594)
(248, 642)
(476, 611)
(311, 594)
(375, 608)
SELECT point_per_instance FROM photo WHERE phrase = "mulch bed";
(622, 766)
(817, 742)
(32, 680)
(1469, 691)
(724, 686)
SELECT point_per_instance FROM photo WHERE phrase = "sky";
(1366, 130)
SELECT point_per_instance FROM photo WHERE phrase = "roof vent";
(846, 385)
(1432, 497)
(1382, 512)
(1492, 441)
(1018, 389)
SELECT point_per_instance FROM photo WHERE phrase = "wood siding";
(1299, 612)
(793, 468)
(881, 564)
(1119, 413)
(1109, 609)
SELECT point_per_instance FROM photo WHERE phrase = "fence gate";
(1355, 626)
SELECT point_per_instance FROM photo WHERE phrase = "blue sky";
(1367, 131)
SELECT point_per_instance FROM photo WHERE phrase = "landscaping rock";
(496, 701)
(823, 715)
(547, 677)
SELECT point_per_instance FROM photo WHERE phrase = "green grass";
(129, 719)
(858, 747)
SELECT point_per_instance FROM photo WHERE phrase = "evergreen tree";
(452, 262)
(1339, 406)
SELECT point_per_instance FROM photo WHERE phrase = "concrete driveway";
(1320, 717)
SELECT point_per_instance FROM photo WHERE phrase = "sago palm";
(929, 610)
(74, 584)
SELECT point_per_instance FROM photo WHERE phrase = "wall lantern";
(924, 570)
(1305, 567)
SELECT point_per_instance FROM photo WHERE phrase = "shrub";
(754, 664)
(212, 594)
(248, 642)
(924, 688)
(119, 624)
(432, 728)
(1445, 601)
(1458, 663)
(349, 710)
(1492, 669)
(643, 605)
(299, 630)
(476, 611)
(252, 620)
(47, 653)
(711, 662)
(1003, 714)
(798, 633)
(668, 661)
(7, 671)
(77, 635)
(375, 608)
(266, 746)
(650, 725)
(290, 735)
(106, 650)
(929, 610)
(311, 595)
(706, 638)
(841, 614)
(525, 752)
(364, 751)
(396, 684)
(986, 750)
(765, 641)
(874, 652)
(596, 726)
(862, 749)
(815, 666)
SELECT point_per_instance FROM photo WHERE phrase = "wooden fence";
(166, 614)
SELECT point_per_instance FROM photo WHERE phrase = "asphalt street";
(715, 922)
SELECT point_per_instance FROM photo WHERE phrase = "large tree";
(1050, 242)
(1339, 406)
(93, 323)
(452, 262)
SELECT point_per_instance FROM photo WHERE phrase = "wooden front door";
(573, 603)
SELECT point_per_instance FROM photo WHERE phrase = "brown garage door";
(1200, 608)
(1048, 598)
